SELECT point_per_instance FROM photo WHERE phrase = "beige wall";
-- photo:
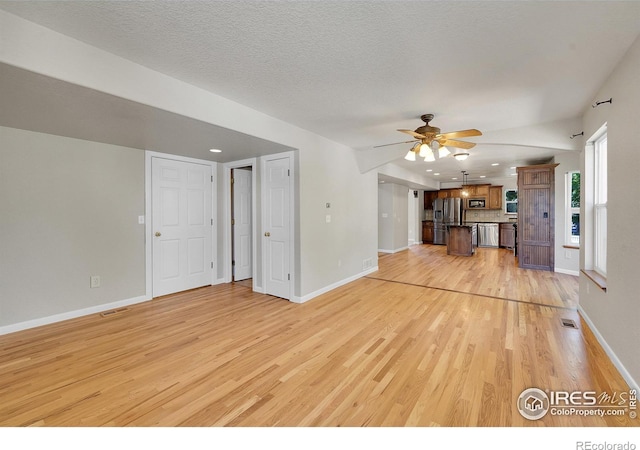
(68, 210)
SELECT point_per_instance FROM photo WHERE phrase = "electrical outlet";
(95, 281)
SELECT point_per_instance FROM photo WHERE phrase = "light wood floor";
(371, 353)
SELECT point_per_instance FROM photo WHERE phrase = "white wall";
(69, 210)
(615, 314)
(393, 216)
(327, 253)
(415, 215)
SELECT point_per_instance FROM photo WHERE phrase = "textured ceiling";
(356, 71)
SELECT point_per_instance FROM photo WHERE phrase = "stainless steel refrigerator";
(446, 211)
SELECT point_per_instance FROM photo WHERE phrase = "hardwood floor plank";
(414, 344)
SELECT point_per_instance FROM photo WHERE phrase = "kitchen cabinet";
(495, 197)
(507, 235)
(476, 190)
(427, 232)
(450, 193)
(429, 197)
(460, 240)
(536, 216)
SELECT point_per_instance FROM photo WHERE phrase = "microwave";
(476, 203)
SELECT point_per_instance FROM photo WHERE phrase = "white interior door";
(242, 241)
(181, 225)
(277, 228)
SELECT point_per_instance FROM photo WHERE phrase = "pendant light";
(464, 192)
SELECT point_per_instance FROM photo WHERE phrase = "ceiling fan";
(429, 139)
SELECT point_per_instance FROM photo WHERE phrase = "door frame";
(148, 216)
(292, 215)
(226, 221)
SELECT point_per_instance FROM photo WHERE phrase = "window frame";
(510, 202)
(570, 240)
(600, 204)
(594, 236)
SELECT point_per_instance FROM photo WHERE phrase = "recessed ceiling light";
(215, 150)
(454, 178)
(429, 170)
(437, 173)
(483, 176)
(512, 168)
(495, 164)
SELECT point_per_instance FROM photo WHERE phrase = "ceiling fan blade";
(395, 143)
(460, 134)
(414, 134)
(458, 144)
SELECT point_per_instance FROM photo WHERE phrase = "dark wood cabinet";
(507, 235)
(476, 190)
(495, 197)
(427, 232)
(450, 193)
(536, 216)
(429, 197)
(460, 241)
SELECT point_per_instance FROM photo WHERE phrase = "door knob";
(267, 234)
(158, 234)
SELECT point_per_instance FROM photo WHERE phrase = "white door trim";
(226, 221)
(292, 214)
(148, 156)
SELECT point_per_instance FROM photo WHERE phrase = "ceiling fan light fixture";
(429, 157)
(443, 151)
(461, 156)
(424, 150)
(411, 155)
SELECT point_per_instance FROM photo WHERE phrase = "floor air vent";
(113, 312)
(568, 323)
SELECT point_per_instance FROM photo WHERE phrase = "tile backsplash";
(489, 215)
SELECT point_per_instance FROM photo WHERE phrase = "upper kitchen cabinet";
(429, 197)
(536, 216)
(450, 193)
(495, 197)
(476, 190)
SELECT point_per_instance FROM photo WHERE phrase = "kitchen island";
(460, 240)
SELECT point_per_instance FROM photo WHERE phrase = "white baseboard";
(306, 298)
(70, 315)
(575, 273)
(633, 384)
(382, 250)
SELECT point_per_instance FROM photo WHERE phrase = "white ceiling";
(522, 72)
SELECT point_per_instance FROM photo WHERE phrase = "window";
(511, 201)
(572, 200)
(600, 205)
